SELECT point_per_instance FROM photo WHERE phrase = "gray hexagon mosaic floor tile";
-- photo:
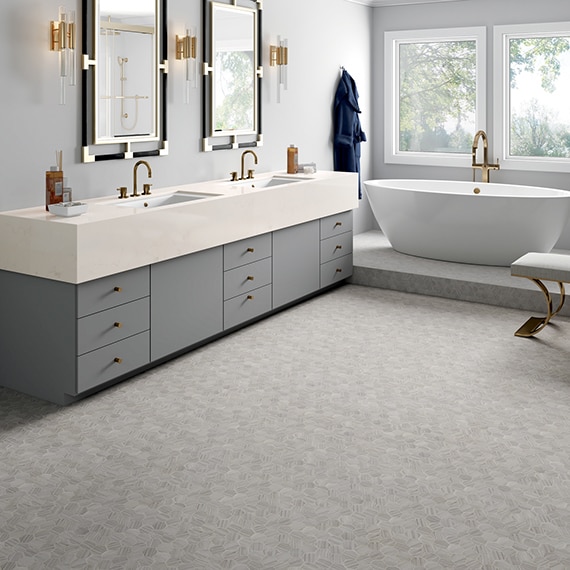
(364, 429)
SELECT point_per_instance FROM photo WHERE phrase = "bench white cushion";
(548, 266)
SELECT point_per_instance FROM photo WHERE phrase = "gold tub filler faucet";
(484, 166)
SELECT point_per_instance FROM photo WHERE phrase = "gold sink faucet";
(484, 166)
(250, 172)
(146, 186)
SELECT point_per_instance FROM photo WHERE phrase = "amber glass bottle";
(54, 187)
(292, 159)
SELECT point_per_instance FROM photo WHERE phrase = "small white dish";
(68, 209)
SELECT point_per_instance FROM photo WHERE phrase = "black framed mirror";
(124, 71)
(232, 74)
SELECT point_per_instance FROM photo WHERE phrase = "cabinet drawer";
(109, 362)
(107, 292)
(246, 250)
(336, 246)
(245, 307)
(336, 270)
(112, 325)
(247, 277)
(336, 224)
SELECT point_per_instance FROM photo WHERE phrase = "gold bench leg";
(535, 324)
(562, 298)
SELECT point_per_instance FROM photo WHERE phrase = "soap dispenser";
(292, 159)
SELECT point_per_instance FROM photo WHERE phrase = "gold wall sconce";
(62, 40)
(279, 57)
(186, 51)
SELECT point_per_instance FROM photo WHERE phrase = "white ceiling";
(379, 3)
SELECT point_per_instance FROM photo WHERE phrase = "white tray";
(68, 209)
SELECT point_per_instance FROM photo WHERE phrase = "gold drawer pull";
(118, 289)
(250, 277)
(250, 297)
(118, 360)
(338, 224)
(338, 270)
(338, 247)
(117, 324)
(250, 250)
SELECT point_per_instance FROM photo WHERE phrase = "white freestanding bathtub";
(468, 222)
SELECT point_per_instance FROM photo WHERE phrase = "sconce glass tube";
(63, 41)
(279, 56)
(186, 51)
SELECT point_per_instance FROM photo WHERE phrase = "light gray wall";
(456, 14)
(322, 34)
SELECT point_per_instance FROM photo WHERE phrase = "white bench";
(539, 267)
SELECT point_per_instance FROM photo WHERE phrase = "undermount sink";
(166, 200)
(268, 182)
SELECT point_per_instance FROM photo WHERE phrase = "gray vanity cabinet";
(186, 305)
(295, 262)
(112, 327)
(60, 341)
(37, 336)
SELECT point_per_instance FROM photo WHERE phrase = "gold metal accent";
(243, 155)
(118, 289)
(338, 270)
(250, 278)
(185, 47)
(250, 250)
(250, 297)
(123, 192)
(338, 247)
(250, 173)
(278, 55)
(146, 189)
(117, 324)
(149, 173)
(535, 324)
(118, 360)
(476, 190)
(117, 26)
(484, 166)
(62, 35)
(233, 175)
(338, 224)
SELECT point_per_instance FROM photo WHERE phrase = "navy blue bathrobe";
(347, 131)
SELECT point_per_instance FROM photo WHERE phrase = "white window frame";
(501, 96)
(392, 41)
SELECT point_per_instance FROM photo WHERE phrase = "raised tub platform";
(376, 264)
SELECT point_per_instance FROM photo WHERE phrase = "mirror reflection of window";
(234, 76)
(126, 69)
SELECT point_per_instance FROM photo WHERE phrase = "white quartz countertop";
(113, 236)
